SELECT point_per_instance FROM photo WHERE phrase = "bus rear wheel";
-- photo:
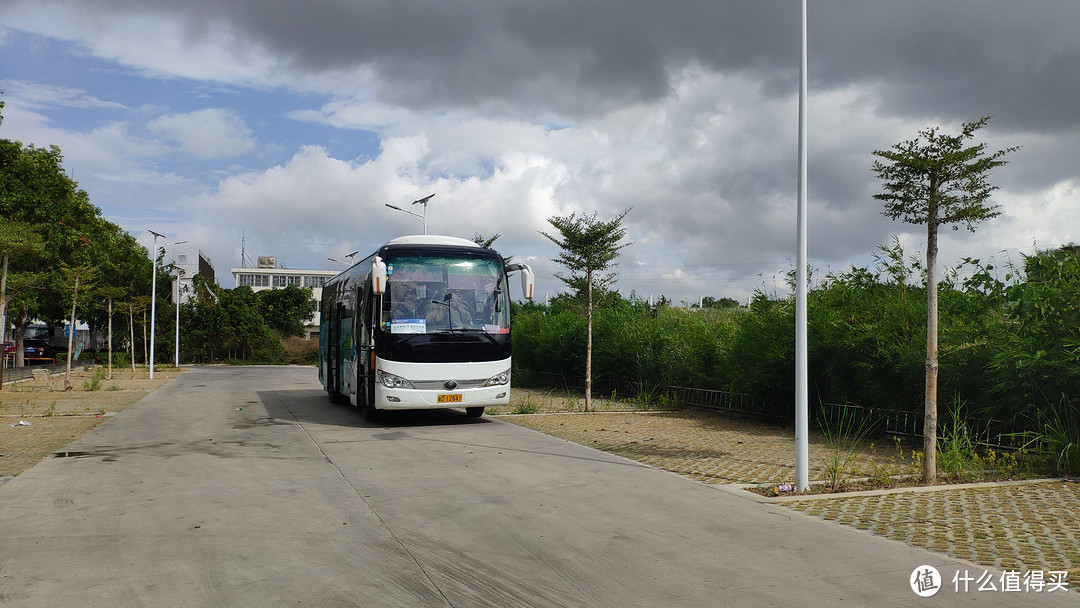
(474, 412)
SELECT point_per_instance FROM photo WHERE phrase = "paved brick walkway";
(702, 445)
(1011, 526)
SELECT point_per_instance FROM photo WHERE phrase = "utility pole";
(422, 201)
(802, 423)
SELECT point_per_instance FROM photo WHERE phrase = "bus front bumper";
(415, 399)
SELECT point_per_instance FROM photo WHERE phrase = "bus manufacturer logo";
(450, 385)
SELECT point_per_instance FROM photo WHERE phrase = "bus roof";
(431, 239)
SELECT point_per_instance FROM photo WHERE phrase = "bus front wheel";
(474, 412)
(369, 412)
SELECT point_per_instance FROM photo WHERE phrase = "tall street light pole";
(176, 302)
(153, 297)
(802, 468)
(422, 201)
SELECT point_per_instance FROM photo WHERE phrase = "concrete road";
(185, 499)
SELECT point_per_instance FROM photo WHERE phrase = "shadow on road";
(312, 405)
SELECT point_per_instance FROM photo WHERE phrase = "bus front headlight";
(499, 379)
(393, 381)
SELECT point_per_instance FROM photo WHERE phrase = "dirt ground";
(38, 416)
(700, 444)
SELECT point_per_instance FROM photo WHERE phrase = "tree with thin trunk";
(132, 306)
(111, 294)
(589, 249)
(76, 278)
(935, 180)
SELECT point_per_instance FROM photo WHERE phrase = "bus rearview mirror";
(528, 281)
(378, 276)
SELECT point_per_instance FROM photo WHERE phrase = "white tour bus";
(424, 322)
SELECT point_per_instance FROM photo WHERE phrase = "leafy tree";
(205, 322)
(286, 310)
(589, 249)
(485, 242)
(229, 324)
(35, 189)
(125, 268)
(123, 264)
(935, 180)
(249, 335)
(16, 239)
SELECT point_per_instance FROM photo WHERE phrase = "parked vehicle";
(422, 323)
(37, 352)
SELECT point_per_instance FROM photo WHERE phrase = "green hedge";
(1008, 349)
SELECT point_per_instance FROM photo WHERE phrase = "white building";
(267, 275)
(190, 261)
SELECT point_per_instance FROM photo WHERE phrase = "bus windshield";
(437, 294)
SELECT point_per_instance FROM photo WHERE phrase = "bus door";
(367, 316)
(333, 355)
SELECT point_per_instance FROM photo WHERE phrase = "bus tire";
(369, 412)
(474, 412)
(335, 397)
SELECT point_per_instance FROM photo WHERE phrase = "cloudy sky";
(289, 125)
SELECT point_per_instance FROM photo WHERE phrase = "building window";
(310, 281)
(253, 280)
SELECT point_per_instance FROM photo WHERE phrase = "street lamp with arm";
(153, 296)
(422, 218)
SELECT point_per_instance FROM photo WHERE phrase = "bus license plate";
(449, 399)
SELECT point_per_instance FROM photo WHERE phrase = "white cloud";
(37, 95)
(211, 133)
(512, 116)
(108, 152)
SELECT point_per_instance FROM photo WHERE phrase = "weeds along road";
(244, 486)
